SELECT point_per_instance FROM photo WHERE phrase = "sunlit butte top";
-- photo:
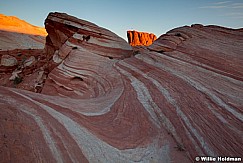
(136, 38)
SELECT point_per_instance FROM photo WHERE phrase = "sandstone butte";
(103, 101)
(136, 38)
(18, 34)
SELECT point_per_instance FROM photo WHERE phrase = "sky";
(155, 16)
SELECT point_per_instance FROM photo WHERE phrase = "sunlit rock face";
(18, 34)
(136, 38)
(179, 98)
(14, 24)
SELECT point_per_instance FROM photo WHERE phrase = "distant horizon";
(152, 17)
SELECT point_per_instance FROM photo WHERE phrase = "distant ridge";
(18, 34)
(14, 24)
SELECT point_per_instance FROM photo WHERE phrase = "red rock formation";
(82, 49)
(140, 38)
(170, 102)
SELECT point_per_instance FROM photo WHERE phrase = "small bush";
(17, 80)
(86, 38)
(180, 147)
(136, 52)
(178, 35)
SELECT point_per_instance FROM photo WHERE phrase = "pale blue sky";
(156, 16)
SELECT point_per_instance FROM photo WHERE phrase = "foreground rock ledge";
(177, 99)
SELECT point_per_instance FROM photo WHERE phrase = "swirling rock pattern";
(179, 98)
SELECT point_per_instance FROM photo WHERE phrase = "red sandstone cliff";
(136, 38)
(179, 98)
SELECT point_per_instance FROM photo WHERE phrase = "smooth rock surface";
(13, 40)
(177, 99)
(136, 38)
